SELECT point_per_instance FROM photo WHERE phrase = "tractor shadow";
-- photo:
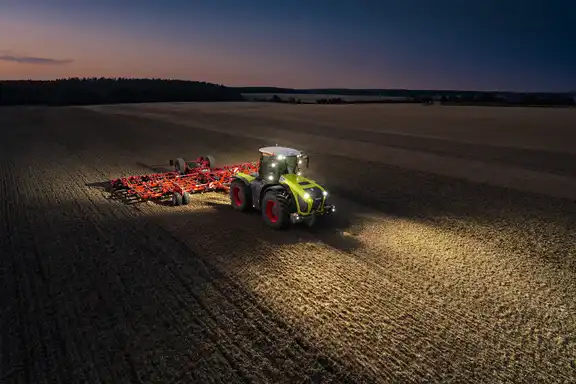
(333, 231)
(114, 195)
(330, 230)
(159, 284)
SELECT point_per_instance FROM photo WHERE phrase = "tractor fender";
(275, 187)
(246, 179)
(241, 179)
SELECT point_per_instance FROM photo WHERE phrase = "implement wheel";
(275, 211)
(211, 161)
(186, 198)
(240, 195)
(180, 165)
(176, 199)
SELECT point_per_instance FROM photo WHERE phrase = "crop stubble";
(421, 276)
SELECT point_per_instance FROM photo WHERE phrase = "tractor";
(279, 191)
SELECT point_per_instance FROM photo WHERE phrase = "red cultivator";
(188, 178)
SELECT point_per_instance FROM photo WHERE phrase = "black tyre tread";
(180, 165)
(176, 199)
(211, 160)
(186, 198)
(247, 195)
(284, 203)
(286, 199)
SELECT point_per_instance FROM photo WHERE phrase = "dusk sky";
(482, 45)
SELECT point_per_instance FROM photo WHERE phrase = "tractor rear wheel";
(276, 210)
(240, 195)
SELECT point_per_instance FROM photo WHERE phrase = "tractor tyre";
(176, 199)
(186, 198)
(276, 210)
(180, 165)
(240, 196)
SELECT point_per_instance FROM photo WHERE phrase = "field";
(452, 256)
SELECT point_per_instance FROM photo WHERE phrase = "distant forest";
(89, 91)
(444, 97)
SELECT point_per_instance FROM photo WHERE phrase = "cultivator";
(188, 178)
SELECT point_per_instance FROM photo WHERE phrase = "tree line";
(90, 91)
(466, 98)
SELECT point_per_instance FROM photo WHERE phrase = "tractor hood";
(299, 182)
(310, 196)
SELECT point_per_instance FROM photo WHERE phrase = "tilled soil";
(452, 256)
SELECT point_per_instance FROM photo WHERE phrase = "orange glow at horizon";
(114, 52)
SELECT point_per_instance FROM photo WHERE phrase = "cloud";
(8, 56)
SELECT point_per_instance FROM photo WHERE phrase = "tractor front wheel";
(240, 195)
(275, 211)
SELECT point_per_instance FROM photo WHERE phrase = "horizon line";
(287, 88)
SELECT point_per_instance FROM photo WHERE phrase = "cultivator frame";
(198, 176)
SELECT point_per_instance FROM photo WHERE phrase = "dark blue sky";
(514, 45)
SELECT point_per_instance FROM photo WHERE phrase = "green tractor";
(279, 191)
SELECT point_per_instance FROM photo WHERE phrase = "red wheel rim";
(237, 196)
(271, 211)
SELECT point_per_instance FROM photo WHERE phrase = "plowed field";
(451, 257)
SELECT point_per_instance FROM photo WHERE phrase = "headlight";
(273, 164)
(306, 196)
(325, 193)
(270, 177)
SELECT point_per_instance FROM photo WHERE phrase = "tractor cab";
(278, 161)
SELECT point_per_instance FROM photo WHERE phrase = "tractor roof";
(283, 151)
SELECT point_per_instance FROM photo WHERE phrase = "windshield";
(280, 165)
(291, 164)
